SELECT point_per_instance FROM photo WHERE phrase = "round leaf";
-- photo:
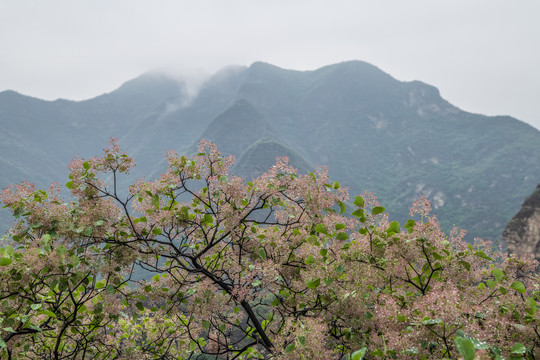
(465, 348)
(359, 201)
(518, 348)
(290, 348)
(359, 354)
(140, 306)
(342, 207)
(519, 287)
(312, 284)
(320, 228)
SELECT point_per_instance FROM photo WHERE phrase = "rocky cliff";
(522, 234)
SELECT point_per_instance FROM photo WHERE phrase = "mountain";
(375, 133)
(262, 155)
(522, 234)
(239, 126)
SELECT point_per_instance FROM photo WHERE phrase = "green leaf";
(262, 253)
(301, 340)
(208, 219)
(155, 201)
(290, 347)
(192, 345)
(518, 348)
(482, 255)
(310, 260)
(141, 219)
(497, 274)
(35, 327)
(519, 287)
(74, 260)
(431, 321)
(342, 236)
(320, 228)
(69, 185)
(491, 283)
(98, 223)
(393, 228)
(465, 348)
(342, 207)
(48, 313)
(377, 210)
(86, 165)
(140, 306)
(531, 302)
(409, 225)
(3, 344)
(5, 261)
(156, 231)
(36, 307)
(359, 354)
(88, 231)
(359, 201)
(313, 284)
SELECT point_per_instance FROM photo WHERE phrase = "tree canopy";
(271, 268)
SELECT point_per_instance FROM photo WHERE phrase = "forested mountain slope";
(375, 133)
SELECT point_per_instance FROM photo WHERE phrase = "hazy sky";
(483, 55)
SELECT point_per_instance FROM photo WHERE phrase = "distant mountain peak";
(150, 81)
(11, 95)
(262, 154)
(237, 127)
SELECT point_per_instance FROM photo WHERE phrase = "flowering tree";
(265, 269)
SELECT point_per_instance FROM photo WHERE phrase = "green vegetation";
(271, 268)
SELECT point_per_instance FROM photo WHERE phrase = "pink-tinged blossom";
(269, 262)
(421, 206)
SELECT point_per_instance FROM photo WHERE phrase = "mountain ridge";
(376, 133)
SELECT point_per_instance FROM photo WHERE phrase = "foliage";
(265, 269)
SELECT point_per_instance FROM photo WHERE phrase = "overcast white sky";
(483, 55)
